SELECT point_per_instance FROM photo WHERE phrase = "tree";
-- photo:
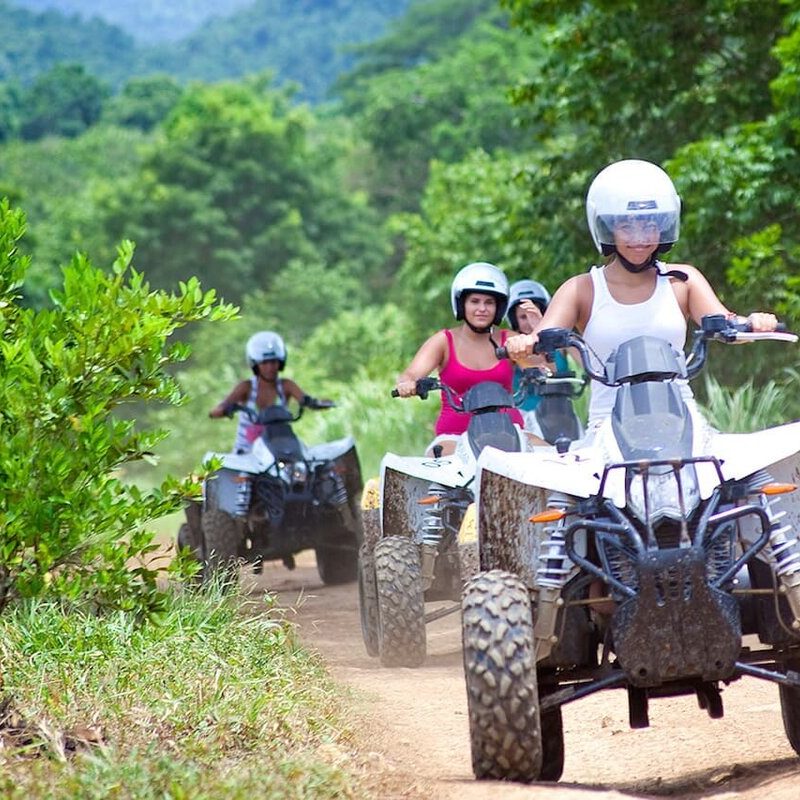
(144, 102)
(64, 101)
(237, 189)
(69, 524)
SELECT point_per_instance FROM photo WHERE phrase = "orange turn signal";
(549, 515)
(778, 488)
(430, 500)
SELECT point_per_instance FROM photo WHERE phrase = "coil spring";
(432, 528)
(339, 495)
(243, 493)
(622, 566)
(784, 546)
(555, 566)
(720, 553)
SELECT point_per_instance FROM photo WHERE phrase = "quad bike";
(637, 560)
(415, 549)
(554, 419)
(280, 498)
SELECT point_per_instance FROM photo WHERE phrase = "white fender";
(255, 462)
(330, 451)
(447, 470)
(576, 472)
(742, 454)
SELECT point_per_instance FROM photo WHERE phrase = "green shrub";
(69, 526)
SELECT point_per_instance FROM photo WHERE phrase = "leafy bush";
(69, 526)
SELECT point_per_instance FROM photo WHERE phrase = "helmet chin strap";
(651, 262)
(487, 329)
(636, 268)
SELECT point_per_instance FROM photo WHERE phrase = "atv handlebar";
(713, 327)
(427, 385)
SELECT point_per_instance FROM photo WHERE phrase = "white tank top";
(242, 444)
(612, 323)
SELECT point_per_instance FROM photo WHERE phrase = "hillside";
(148, 21)
(308, 42)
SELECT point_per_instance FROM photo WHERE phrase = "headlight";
(664, 494)
(299, 472)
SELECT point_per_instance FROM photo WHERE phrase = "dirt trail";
(416, 734)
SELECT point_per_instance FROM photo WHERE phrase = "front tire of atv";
(401, 603)
(500, 672)
(790, 708)
(221, 541)
(368, 601)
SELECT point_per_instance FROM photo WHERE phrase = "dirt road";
(416, 739)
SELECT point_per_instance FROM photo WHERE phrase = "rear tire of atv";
(790, 709)
(337, 563)
(401, 603)
(186, 538)
(500, 672)
(368, 601)
(221, 541)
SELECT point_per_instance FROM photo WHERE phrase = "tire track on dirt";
(415, 735)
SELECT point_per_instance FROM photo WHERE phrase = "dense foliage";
(69, 524)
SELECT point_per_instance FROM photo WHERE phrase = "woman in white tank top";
(633, 213)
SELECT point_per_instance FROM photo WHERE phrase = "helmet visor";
(638, 228)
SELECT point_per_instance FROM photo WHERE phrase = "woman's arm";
(566, 310)
(429, 357)
(239, 395)
(702, 300)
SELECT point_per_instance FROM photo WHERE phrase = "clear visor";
(639, 228)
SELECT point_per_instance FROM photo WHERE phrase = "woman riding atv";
(465, 356)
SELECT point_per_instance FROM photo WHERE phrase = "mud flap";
(677, 626)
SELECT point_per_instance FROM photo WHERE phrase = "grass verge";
(207, 703)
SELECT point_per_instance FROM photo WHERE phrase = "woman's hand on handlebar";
(406, 388)
(761, 322)
(520, 349)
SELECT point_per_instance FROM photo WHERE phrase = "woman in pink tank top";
(465, 356)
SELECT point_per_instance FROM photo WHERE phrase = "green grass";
(207, 703)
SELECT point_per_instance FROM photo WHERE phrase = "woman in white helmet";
(465, 356)
(266, 355)
(633, 212)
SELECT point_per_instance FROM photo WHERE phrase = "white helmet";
(632, 189)
(265, 346)
(525, 290)
(482, 277)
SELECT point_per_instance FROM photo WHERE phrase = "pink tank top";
(460, 378)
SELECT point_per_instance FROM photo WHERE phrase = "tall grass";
(206, 704)
(746, 408)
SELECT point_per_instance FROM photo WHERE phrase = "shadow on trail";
(714, 781)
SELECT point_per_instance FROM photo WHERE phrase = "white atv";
(280, 498)
(414, 547)
(637, 560)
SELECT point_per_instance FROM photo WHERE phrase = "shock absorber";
(244, 490)
(431, 532)
(551, 575)
(784, 550)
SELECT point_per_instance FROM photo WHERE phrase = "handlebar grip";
(395, 393)
(501, 353)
